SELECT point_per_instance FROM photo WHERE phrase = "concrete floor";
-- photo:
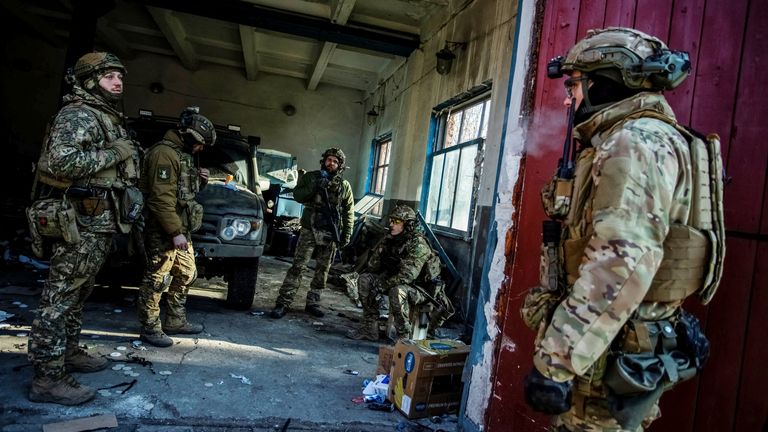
(245, 372)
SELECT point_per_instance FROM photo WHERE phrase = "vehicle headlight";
(240, 227)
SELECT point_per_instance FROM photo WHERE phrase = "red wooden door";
(724, 94)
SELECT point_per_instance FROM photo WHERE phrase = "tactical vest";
(693, 251)
(106, 178)
(324, 218)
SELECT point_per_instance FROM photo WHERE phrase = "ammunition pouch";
(52, 218)
(192, 216)
(131, 205)
(545, 395)
(691, 339)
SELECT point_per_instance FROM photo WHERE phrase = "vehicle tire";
(242, 283)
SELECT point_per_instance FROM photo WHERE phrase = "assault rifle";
(333, 215)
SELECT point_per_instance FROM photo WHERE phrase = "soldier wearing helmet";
(629, 201)
(87, 162)
(326, 225)
(405, 268)
(170, 180)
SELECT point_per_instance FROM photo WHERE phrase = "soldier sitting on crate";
(406, 268)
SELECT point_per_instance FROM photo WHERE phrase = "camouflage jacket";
(76, 146)
(169, 180)
(639, 184)
(400, 259)
(308, 192)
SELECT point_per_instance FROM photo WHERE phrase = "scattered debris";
(83, 424)
(121, 348)
(33, 262)
(5, 315)
(208, 384)
(115, 354)
(351, 372)
(257, 313)
(167, 372)
(118, 311)
(242, 378)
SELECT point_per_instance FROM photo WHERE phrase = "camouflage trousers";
(168, 270)
(310, 241)
(57, 325)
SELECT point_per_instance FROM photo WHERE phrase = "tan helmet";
(336, 152)
(627, 56)
(92, 63)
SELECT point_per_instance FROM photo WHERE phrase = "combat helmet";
(406, 214)
(91, 65)
(630, 57)
(196, 126)
(336, 152)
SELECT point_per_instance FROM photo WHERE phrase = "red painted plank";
(752, 409)
(652, 17)
(620, 13)
(717, 72)
(748, 153)
(726, 329)
(687, 19)
(591, 16)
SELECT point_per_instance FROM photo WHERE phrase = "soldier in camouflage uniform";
(402, 266)
(325, 225)
(86, 151)
(632, 194)
(170, 181)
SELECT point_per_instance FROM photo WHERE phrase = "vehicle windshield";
(226, 159)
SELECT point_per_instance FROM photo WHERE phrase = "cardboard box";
(385, 360)
(427, 376)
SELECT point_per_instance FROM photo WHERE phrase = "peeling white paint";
(514, 142)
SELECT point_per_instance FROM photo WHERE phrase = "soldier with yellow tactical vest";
(170, 181)
(326, 224)
(637, 226)
(85, 190)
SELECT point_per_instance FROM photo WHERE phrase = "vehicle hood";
(217, 199)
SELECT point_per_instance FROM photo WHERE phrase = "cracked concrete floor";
(244, 372)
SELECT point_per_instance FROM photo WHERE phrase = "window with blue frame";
(382, 150)
(454, 165)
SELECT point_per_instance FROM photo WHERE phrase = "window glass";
(382, 149)
(455, 171)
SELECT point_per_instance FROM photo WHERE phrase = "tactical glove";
(123, 148)
(545, 395)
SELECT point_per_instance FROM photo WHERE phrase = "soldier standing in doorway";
(170, 181)
(637, 227)
(86, 165)
(325, 225)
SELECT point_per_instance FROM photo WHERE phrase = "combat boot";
(314, 310)
(158, 339)
(64, 391)
(77, 360)
(367, 331)
(278, 312)
(174, 326)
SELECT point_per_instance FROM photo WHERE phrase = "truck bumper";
(210, 250)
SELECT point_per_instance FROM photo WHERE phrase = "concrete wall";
(327, 117)
(412, 90)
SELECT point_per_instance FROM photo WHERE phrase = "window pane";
(449, 188)
(464, 189)
(486, 116)
(376, 210)
(452, 126)
(384, 172)
(471, 126)
(434, 188)
(387, 146)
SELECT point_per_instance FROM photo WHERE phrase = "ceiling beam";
(236, 11)
(116, 42)
(176, 35)
(340, 12)
(34, 23)
(250, 58)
